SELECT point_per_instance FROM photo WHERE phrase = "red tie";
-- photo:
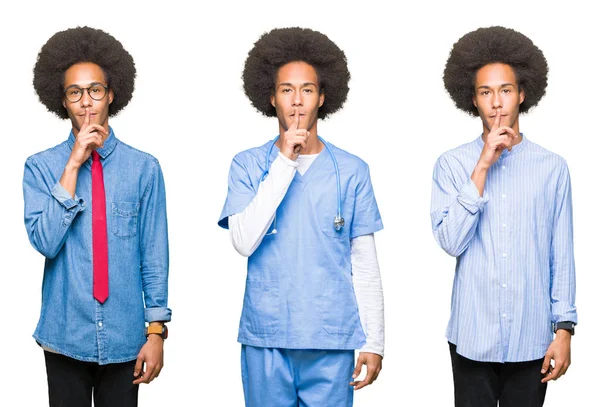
(99, 237)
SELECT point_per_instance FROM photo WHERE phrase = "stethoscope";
(338, 221)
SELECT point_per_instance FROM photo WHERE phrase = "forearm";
(68, 180)
(49, 211)
(366, 279)
(454, 225)
(479, 177)
(249, 227)
(154, 249)
(562, 257)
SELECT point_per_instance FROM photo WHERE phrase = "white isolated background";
(189, 111)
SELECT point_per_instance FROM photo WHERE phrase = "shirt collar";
(505, 152)
(109, 144)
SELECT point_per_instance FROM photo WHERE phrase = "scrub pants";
(274, 377)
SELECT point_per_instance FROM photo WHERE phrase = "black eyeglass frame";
(87, 90)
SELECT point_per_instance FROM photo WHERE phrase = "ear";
(474, 100)
(321, 99)
(64, 103)
(273, 100)
(521, 95)
(111, 96)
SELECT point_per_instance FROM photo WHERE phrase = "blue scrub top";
(299, 292)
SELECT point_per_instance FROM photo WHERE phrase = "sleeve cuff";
(378, 350)
(64, 198)
(564, 313)
(157, 314)
(470, 199)
(289, 162)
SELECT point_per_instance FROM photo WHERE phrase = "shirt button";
(504, 167)
(504, 225)
(503, 315)
(504, 285)
(100, 324)
(503, 196)
(504, 254)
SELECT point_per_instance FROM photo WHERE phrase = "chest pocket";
(124, 219)
(328, 210)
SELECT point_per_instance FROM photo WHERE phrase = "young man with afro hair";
(501, 205)
(304, 213)
(95, 208)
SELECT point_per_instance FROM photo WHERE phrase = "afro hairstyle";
(83, 44)
(283, 45)
(495, 45)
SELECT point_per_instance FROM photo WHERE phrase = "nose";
(496, 101)
(297, 100)
(86, 99)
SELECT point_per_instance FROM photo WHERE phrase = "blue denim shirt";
(72, 322)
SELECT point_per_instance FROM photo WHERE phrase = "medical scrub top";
(299, 292)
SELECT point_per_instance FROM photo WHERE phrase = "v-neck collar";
(308, 175)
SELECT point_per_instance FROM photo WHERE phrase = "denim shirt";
(59, 226)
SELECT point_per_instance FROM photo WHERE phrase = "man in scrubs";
(501, 205)
(95, 208)
(313, 289)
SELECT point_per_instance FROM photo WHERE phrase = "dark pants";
(483, 384)
(70, 383)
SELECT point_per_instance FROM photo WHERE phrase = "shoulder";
(348, 160)
(545, 155)
(459, 153)
(145, 163)
(50, 155)
(253, 154)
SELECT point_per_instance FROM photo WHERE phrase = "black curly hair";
(490, 45)
(83, 44)
(283, 45)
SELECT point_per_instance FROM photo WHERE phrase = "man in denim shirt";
(92, 324)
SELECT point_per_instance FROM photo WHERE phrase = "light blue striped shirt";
(515, 270)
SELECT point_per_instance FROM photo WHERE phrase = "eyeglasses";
(97, 91)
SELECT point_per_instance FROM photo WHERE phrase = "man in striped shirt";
(501, 205)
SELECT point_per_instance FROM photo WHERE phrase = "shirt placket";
(101, 333)
(505, 252)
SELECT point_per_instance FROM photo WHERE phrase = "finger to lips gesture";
(294, 139)
(498, 139)
(90, 137)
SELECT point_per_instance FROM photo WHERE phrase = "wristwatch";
(161, 330)
(567, 325)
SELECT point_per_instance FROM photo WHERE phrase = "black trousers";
(484, 384)
(71, 383)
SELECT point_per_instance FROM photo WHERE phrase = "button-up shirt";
(515, 269)
(59, 226)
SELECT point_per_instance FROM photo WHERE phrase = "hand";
(373, 362)
(294, 139)
(560, 351)
(151, 355)
(90, 137)
(499, 138)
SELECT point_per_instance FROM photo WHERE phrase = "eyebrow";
(89, 84)
(302, 86)
(502, 86)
